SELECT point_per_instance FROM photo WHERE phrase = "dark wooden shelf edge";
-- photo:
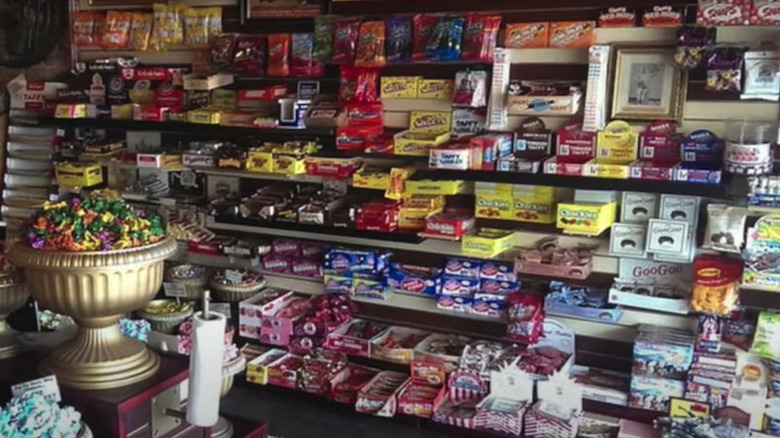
(190, 128)
(579, 182)
(759, 298)
(321, 229)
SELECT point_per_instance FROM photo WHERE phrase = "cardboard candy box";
(397, 344)
(380, 396)
(549, 259)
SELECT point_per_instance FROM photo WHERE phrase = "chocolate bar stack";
(714, 366)
(662, 359)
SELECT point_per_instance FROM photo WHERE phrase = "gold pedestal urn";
(96, 289)
(13, 295)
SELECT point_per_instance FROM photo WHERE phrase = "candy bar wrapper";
(302, 60)
(399, 39)
(479, 37)
(345, 39)
(527, 35)
(279, 54)
(423, 27)
(371, 45)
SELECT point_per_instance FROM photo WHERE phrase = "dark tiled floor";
(292, 416)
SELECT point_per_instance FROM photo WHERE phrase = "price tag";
(45, 386)
(223, 308)
(175, 290)
(233, 276)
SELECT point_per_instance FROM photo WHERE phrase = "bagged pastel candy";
(445, 42)
(371, 45)
(279, 54)
(399, 39)
(470, 89)
(323, 37)
(303, 62)
(423, 26)
(479, 38)
(345, 38)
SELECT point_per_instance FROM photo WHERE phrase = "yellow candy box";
(487, 242)
(617, 144)
(399, 87)
(79, 174)
(589, 219)
(435, 89)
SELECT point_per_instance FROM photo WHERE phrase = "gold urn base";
(100, 358)
(223, 429)
(96, 289)
(9, 346)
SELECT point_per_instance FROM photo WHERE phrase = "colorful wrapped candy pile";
(32, 415)
(96, 222)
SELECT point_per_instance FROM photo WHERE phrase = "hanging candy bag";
(692, 44)
(423, 27)
(302, 59)
(479, 37)
(117, 30)
(399, 39)
(345, 39)
(724, 68)
(279, 54)
(84, 29)
(446, 37)
(371, 45)
(716, 284)
(141, 31)
(323, 37)
(249, 55)
(196, 27)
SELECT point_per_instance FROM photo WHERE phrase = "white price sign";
(45, 386)
(175, 290)
(233, 276)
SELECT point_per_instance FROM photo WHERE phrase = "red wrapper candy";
(663, 16)
(359, 85)
(249, 55)
(723, 13)
(617, 17)
(423, 27)
(365, 114)
(279, 54)
(479, 38)
(525, 317)
(345, 39)
(765, 13)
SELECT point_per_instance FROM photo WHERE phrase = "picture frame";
(257, 10)
(647, 85)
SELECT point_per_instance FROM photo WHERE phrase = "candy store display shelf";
(318, 230)
(719, 191)
(426, 246)
(303, 401)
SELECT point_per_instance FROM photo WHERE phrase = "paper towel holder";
(206, 312)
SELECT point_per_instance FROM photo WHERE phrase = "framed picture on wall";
(647, 85)
(264, 9)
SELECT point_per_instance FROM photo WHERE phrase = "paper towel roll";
(208, 345)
